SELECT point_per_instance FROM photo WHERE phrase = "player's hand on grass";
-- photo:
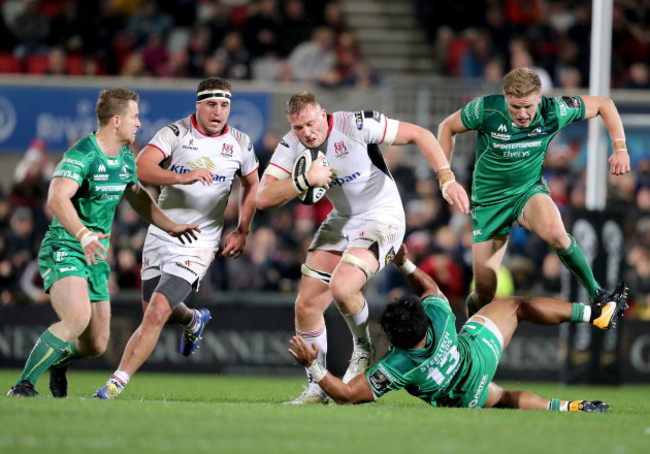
(619, 162)
(185, 232)
(303, 353)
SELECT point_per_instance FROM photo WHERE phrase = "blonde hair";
(299, 101)
(113, 101)
(521, 82)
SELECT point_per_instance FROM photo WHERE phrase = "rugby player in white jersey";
(195, 160)
(364, 230)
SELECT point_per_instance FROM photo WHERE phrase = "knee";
(157, 314)
(96, 346)
(78, 323)
(343, 290)
(556, 237)
(305, 308)
(484, 292)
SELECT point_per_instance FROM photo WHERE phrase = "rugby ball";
(300, 167)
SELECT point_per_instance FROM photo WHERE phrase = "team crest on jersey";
(190, 145)
(358, 120)
(341, 150)
(124, 173)
(538, 131)
(227, 150)
(389, 256)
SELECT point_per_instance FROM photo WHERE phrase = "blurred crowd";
(277, 40)
(488, 38)
(438, 237)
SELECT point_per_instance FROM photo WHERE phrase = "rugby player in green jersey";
(514, 132)
(84, 193)
(431, 361)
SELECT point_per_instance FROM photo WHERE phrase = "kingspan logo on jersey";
(201, 163)
(340, 181)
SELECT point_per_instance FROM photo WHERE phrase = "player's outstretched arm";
(357, 391)
(452, 191)
(619, 161)
(143, 204)
(420, 282)
(150, 172)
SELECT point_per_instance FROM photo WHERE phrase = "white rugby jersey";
(362, 184)
(185, 148)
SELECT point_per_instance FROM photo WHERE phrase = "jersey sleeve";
(569, 109)
(249, 158)
(281, 163)
(382, 378)
(369, 126)
(472, 113)
(75, 165)
(166, 139)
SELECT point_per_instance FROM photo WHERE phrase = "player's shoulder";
(289, 142)
(351, 123)
(561, 104)
(179, 128)
(85, 149)
(241, 137)
(495, 101)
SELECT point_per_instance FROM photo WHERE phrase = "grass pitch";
(160, 413)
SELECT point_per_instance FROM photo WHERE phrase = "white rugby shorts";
(170, 257)
(339, 233)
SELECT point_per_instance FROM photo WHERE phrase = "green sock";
(577, 313)
(71, 355)
(573, 258)
(554, 405)
(49, 349)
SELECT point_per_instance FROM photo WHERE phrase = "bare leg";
(145, 338)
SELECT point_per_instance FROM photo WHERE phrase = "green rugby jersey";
(510, 160)
(435, 373)
(102, 181)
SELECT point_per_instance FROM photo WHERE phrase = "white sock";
(120, 378)
(319, 337)
(586, 315)
(194, 325)
(359, 328)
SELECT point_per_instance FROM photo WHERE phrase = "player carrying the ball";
(364, 230)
